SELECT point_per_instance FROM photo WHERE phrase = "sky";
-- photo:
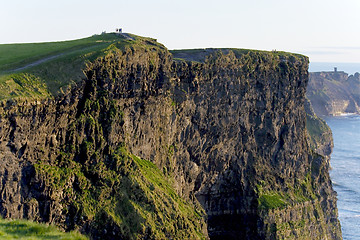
(324, 30)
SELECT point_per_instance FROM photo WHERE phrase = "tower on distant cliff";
(335, 69)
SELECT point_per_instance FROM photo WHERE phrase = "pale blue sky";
(325, 30)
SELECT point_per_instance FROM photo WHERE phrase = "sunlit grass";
(28, 230)
(13, 56)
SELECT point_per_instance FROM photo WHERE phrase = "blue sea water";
(345, 173)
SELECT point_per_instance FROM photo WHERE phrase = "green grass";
(271, 201)
(134, 194)
(13, 56)
(28, 230)
(47, 78)
(302, 191)
(200, 55)
(65, 66)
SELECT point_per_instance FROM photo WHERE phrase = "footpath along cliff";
(171, 145)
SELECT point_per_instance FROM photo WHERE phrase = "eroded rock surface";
(334, 93)
(226, 133)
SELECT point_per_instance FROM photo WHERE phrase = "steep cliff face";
(65, 161)
(263, 166)
(148, 147)
(334, 93)
(319, 133)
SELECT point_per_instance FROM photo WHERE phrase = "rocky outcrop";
(148, 147)
(319, 133)
(334, 93)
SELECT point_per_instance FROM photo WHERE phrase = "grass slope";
(27, 230)
(125, 193)
(13, 56)
(39, 70)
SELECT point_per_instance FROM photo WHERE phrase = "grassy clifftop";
(200, 55)
(41, 70)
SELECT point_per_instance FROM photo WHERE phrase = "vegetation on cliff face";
(303, 191)
(126, 197)
(148, 147)
(110, 192)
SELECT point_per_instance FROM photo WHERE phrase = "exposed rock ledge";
(225, 134)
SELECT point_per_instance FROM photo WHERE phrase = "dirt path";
(46, 59)
(37, 62)
(127, 36)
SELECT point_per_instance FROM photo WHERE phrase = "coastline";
(344, 173)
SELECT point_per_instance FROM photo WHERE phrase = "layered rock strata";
(334, 93)
(215, 147)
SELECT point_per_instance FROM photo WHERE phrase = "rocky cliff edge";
(148, 147)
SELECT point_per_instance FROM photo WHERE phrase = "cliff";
(334, 93)
(319, 133)
(212, 144)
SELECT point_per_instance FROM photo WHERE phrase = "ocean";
(345, 173)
